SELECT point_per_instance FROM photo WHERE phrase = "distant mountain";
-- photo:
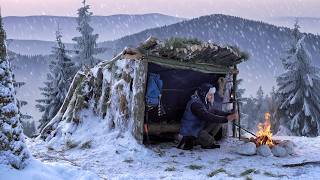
(266, 43)
(33, 47)
(308, 24)
(108, 27)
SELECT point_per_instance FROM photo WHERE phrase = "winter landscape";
(221, 89)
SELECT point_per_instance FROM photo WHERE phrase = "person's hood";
(203, 90)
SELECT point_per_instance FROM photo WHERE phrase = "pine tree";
(299, 88)
(25, 118)
(241, 103)
(12, 147)
(273, 110)
(261, 105)
(62, 70)
(86, 44)
(29, 128)
(249, 109)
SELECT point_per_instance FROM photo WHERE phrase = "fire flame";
(264, 135)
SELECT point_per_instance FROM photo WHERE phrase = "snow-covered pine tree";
(62, 70)
(13, 151)
(17, 85)
(299, 89)
(86, 44)
(28, 125)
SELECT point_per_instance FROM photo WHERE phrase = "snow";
(48, 171)
(119, 157)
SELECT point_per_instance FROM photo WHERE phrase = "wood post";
(139, 81)
(234, 92)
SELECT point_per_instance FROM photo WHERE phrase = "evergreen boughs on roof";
(193, 51)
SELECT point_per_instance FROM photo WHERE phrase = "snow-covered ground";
(37, 170)
(112, 157)
(92, 152)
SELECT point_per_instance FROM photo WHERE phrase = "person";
(200, 122)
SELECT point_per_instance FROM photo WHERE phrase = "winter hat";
(203, 90)
(211, 91)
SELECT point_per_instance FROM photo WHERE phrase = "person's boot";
(186, 143)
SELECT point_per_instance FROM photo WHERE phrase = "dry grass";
(217, 171)
(195, 167)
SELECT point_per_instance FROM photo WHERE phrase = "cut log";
(156, 129)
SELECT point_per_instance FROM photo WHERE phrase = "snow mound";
(52, 171)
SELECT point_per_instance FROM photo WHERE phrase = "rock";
(288, 145)
(264, 151)
(248, 149)
(279, 151)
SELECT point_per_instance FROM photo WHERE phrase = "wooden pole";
(239, 130)
(234, 81)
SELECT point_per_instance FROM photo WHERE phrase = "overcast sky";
(254, 9)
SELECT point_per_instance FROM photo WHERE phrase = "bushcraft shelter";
(118, 91)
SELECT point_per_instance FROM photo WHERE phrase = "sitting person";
(200, 123)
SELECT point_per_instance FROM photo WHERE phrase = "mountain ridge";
(43, 27)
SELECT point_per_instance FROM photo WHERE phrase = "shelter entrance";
(162, 122)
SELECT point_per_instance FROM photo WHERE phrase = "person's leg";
(206, 140)
(214, 129)
(219, 135)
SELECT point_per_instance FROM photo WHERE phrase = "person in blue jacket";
(200, 121)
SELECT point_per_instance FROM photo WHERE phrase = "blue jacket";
(197, 115)
(154, 88)
(190, 124)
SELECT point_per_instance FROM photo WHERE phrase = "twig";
(302, 164)
(244, 129)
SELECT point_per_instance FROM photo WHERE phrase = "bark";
(138, 108)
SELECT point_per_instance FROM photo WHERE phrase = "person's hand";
(233, 117)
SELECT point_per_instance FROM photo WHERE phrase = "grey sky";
(253, 9)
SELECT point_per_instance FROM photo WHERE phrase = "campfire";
(263, 144)
(264, 134)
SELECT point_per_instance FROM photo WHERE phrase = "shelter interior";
(163, 122)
